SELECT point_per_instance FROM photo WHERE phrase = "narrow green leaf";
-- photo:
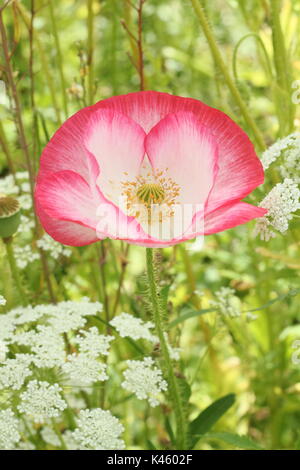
(151, 445)
(290, 293)
(242, 442)
(190, 314)
(169, 430)
(208, 417)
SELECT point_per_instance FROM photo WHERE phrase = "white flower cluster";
(84, 369)
(282, 201)
(46, 344)
(132, 327)
(31, 379)
(9, 430)
(8, 186)
(47, 352)
(289, 149)
(144, 380)
(2, 300)
(52, 247)
(227, 303)
(24, 256)
(26, 224)
(42, 400)
(14, 372)
(91, 343)
(3, 351)
(98, 429)
(129, 326)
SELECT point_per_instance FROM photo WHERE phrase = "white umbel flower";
(46, 345)
(289, 149)
(7, 326)
(52, 247)
(8, 186)
(2, 300)
(26, 224)
(93, 344)
(98, 429)
(281, 202)
(227, 303)
(84, 370)
(42, 400)
(24, 256)
(9, 430)
(66, 320)
(3, 351)
(14, 372)
(144, 380)
(129, 326)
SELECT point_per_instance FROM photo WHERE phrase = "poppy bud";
(9, 215)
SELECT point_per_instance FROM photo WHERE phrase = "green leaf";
(208, 417)
(195, 313)
(169, 430)
(190, 314)
(151, 445)
(290, 293)
(164, 294)
(242, 442)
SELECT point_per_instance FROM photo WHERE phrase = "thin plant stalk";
(17, 104)
(90, 51)
(282, 67)
(6, 150)
(59, 57)
(174, 390)
(8, 242)
(124, 262)
(45, 66)
(224, 70)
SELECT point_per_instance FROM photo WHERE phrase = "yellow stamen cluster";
(155, 190)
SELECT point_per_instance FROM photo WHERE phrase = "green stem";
(282, 66)
(227, 77)
(172, 381)
(90, 51)
(6, 150)
(59, 57)
(44, 63)
(59, 434)
(14, 269)
(263, 48)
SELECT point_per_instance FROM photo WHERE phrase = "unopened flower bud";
(9, 215)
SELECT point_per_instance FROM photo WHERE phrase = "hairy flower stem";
(286, 109)
(224, 70)
(14, 269)
(124, 262)
(172, 381)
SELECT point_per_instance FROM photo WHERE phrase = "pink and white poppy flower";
(149, 168)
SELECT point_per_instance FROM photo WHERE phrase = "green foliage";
(208, 417)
